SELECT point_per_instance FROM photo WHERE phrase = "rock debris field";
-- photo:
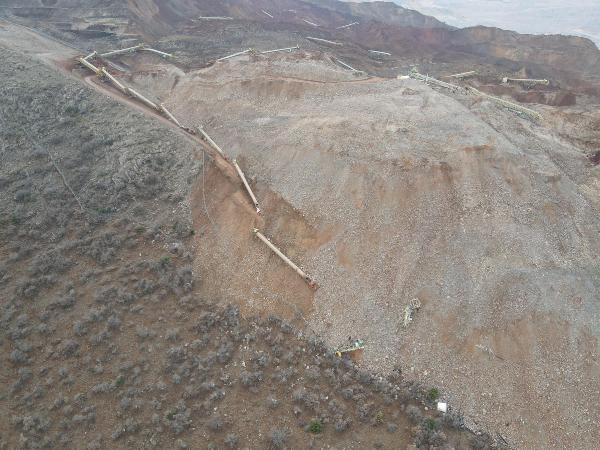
(388, 190)
(383, 190)
(108, 337)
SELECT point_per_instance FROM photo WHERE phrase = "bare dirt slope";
(399, 191)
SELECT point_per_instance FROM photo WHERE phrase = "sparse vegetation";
(102, 329)
(431, 424)
(231, 441)
(120, 381)
(278, 438)
(433, 394)
(315, 426)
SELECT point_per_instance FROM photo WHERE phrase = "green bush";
(433, 394)
(316, 426)
(431, 424)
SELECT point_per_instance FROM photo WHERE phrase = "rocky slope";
(572, 64)
(105, 340)
(402, 192)
(383, 12)
(384, 189)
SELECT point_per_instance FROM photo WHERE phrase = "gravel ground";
(487, 218)
(106, 338)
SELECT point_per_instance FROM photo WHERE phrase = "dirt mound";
(448, 200)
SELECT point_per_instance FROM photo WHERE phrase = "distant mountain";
(412, 37)
(578, 18)
(384, 12)
(160, 16)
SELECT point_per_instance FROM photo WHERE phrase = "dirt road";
(61, 56)
(221, 208)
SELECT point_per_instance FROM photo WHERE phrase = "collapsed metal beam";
(143, 99)
(214, 18)
(429, 80)
(211, 142)
(167, 113)
(377, 52)
(102, 72)
(246, 185)
(266, 13)
(325, 41)
(513, 106)
(234, 55)
(347, 66)
(462, 75)
(529, 81)
(158, 52)
(347, 26)
(285, 259)
(91, 55)
(89, 65)
(123, 50)
(287, 49)
(310, 23)
(114, 81)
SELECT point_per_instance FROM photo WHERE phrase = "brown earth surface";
(110, 335)
(446, 192)
(382, 196)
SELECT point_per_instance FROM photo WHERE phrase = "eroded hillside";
(387, 191)
(403, 192)
(571, 63)
(108, 340)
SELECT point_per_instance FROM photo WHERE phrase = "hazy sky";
(579, 17)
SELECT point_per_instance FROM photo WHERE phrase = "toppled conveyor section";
(285, 259)
(136, 48)
(102, 73)
(527, 112)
